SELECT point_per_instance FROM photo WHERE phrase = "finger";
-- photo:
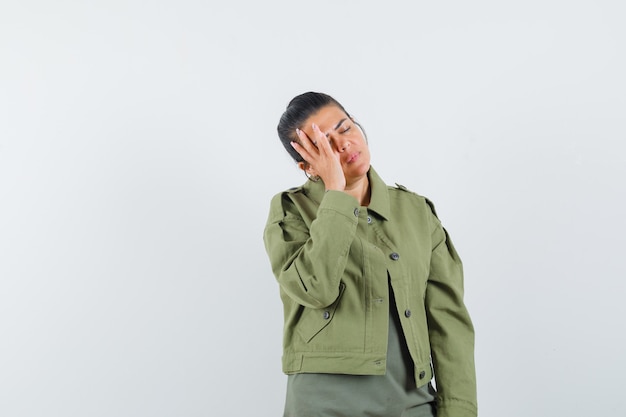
(305, 140)
(321, 140)
(302, 151)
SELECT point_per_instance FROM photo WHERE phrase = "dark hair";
(299, 109)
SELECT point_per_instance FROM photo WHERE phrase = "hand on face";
(322, 159)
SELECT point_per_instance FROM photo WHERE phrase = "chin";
(360, 170)
(365, 167)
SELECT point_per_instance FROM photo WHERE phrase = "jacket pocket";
(315, 320)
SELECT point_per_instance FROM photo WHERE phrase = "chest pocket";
(315, 320)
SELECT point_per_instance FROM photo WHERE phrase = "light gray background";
(138, 156)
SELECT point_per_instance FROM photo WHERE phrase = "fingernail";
(297, 131)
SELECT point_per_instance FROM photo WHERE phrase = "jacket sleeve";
(308, 262)
(450, 329)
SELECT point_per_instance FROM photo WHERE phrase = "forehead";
(326, 118)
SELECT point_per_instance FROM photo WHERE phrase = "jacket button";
(356, 212)
(394, 256)
(422, 374)
(407, 312)
(326, 315)
(369, 220)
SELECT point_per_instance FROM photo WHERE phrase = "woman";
(371, 284)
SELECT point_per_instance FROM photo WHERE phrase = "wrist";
(336, 186)
(335, 189)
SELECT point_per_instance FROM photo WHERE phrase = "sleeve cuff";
(340, 202)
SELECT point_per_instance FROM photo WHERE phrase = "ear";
(307, 168)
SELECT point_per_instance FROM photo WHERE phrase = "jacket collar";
(379, 200)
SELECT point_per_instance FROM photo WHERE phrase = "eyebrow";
(338, 124)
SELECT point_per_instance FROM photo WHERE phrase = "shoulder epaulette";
(430, 203)
(402, 187)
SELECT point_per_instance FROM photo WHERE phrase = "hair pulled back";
(299, 109)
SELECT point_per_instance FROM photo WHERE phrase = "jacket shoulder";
(285, 202)
(412, 194)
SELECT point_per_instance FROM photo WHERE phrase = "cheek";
(360, 138)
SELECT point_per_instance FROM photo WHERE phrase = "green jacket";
(332, 259)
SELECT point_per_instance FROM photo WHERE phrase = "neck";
(360, 190)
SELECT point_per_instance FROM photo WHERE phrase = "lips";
(353, 157)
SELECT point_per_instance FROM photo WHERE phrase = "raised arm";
(308, 260)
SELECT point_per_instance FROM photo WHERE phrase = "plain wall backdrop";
(138, 155)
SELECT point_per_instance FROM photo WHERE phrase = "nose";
(341, 144)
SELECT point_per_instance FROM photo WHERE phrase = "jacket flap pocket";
(314, 320)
